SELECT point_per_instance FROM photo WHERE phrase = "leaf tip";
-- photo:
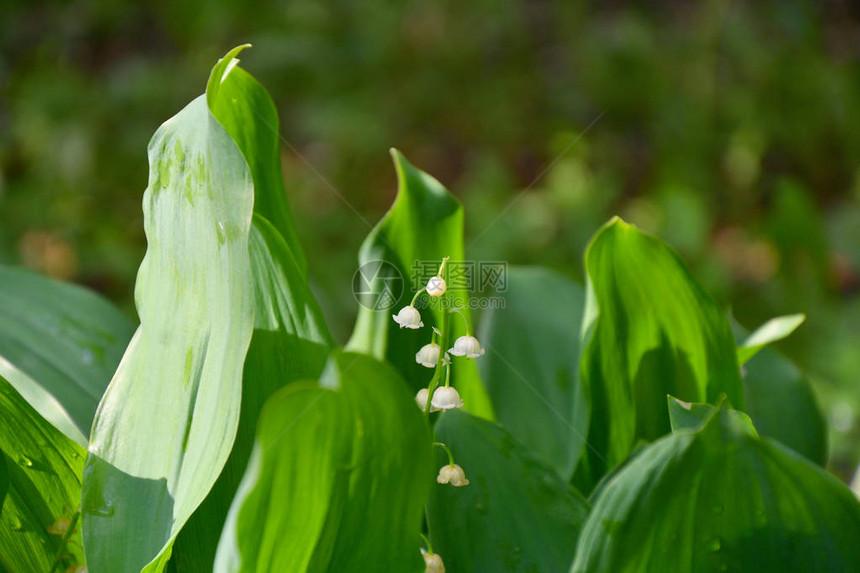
(681, 403)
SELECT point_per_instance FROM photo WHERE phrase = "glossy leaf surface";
(531, 367)
(43, 477)
(721, 499)
(338, 477)
(516, 514)
(290, 339)
(166, 425)
(59, 346)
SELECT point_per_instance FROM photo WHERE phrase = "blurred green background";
(730, 129)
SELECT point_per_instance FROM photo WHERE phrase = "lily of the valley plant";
(597, 428)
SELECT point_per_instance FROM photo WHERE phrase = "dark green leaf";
(167, 422)
(517, 514)
(721, 499)
(337, 480)
(651, 331)
(59, 346)
(782, 404)
(424, 224)
(532, 364)
(779, 399)
(43, 471)
(771, 331)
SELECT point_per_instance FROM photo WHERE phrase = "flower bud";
(436, 286)
(446, 397)
(408, 317)
(467, 346)
(428, 355)
(453, 474)
(432, 562)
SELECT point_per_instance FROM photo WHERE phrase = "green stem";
(447, 451)
(463, 316)
(442, 267)
(427, 541)
(437, 375)
(414, 298)
(433, 338)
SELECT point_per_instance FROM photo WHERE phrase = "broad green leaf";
(516, 514)
(688, 416)
(337, 480)
(43, 401)
(59, 346)
(167, 422)
(425, 223)
(290, 342)
(781, 402)
(721, 499)
(650, 330)
(43, 477)
(771, 331)
(244, 108)
(531, 366)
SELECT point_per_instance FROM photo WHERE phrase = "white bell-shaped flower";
(428, 355)
(421, 400)
(445, 398)
(408, 317)
(453, 474)
(432, 562)
(467, 346)
(436, 286)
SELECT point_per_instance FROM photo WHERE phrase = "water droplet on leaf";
(106, 510)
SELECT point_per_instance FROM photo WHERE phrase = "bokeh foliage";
(730, 129)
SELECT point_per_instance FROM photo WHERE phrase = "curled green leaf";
(650, 330)
(167, 422)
